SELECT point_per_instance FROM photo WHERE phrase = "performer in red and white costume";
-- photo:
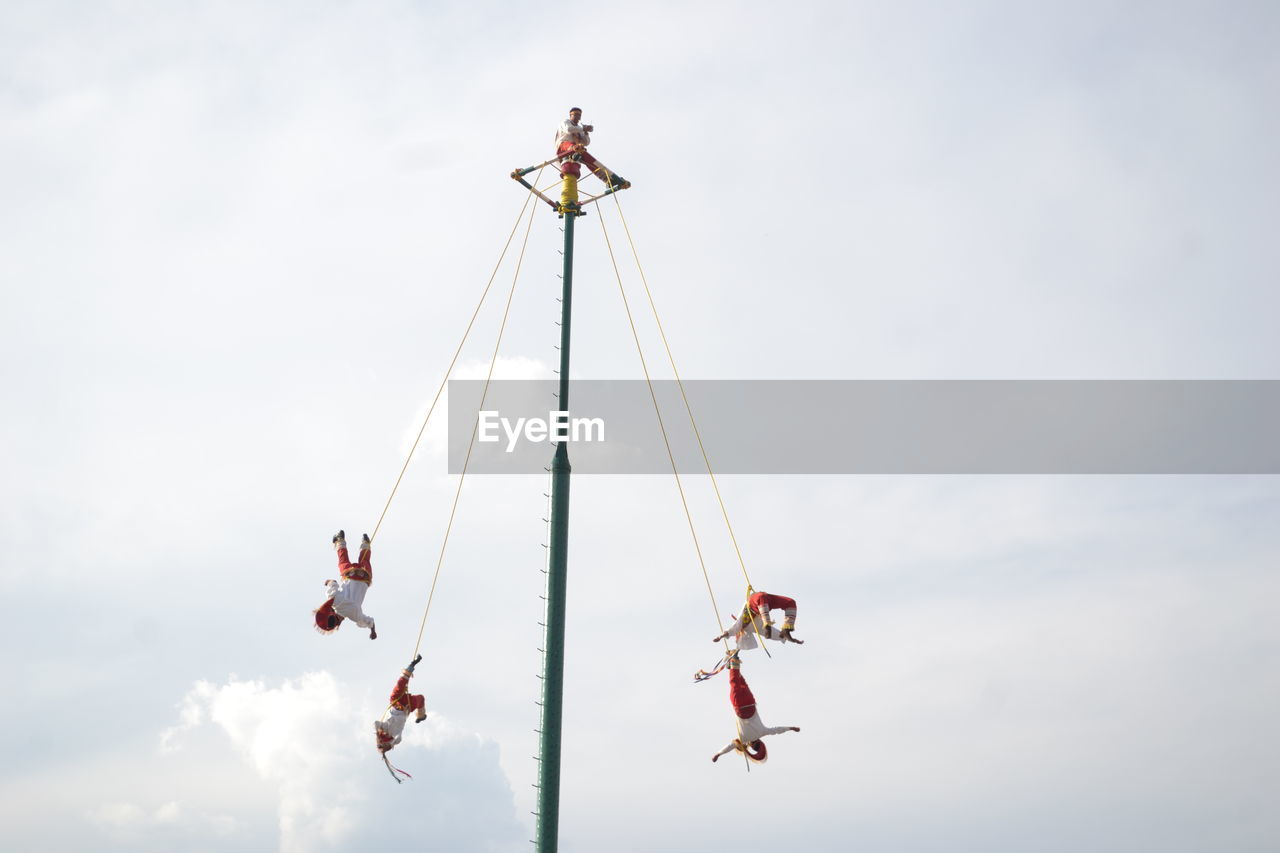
(402, 702)
(750, 727)
(757, 611)
(572, 134)
(346, 595)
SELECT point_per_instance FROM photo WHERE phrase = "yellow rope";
(471, 444)
(443, 382)
(689, 409)
(662, 426)
(756, 628)
(680, 383)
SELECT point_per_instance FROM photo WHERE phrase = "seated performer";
(750, 727)
(346, 595)
(402, 702)
(756, 619)
(570, 136)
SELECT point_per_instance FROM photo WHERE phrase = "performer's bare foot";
(373, 634)
(714, 759)
(786, 635)
(795, 728)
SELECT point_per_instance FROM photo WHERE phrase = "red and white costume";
(388, 731)
(757, 610)
(571, 134)
(750, 727)
(568, 135)
(346, 595)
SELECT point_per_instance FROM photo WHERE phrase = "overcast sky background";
(239, 242)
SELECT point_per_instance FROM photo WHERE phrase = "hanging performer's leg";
(348, 593)
(403, 700)
(366, 548)
(740, 696)
(763, 602)
(360, 571)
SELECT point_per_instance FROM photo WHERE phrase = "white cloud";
(435, 440)
(190, 715)
(133, 824)
(118, 815)
(313, 741)
(168, 813)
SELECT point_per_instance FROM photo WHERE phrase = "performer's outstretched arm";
(729, 748)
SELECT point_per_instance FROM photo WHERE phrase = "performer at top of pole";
(573, 136)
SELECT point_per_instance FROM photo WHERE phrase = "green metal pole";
(557, 577)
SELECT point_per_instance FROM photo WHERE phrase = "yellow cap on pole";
(569, 190)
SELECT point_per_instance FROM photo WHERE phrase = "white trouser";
(348, 598)
(746, 638)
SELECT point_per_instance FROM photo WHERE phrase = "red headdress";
(756, 751)
(327, 619)
(385, 742)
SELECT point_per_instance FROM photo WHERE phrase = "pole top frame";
(576, 209)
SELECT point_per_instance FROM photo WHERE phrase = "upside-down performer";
(346, 595)
(750, 727)
(572, 136)
(756, 618)
(388, 731)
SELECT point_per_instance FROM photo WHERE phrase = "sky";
(239, 243)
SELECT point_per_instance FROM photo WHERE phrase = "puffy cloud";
(190, 715)
(118, 815)
(134, 826)
(312, 741)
